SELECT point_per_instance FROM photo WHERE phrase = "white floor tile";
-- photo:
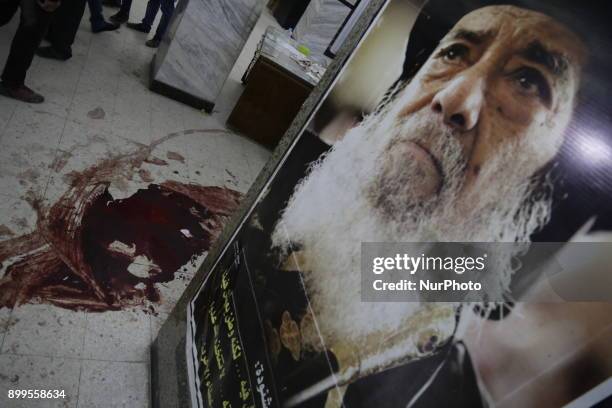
(118, 336)
(132, 117)
(37, 373)
(17, 217)
(166, 116)
(45, 331)
(56, 81)
(5, 315)
(93, 106)
(111, 384)
(27, 149)
(7, 107)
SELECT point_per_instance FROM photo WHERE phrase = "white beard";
(350, 196)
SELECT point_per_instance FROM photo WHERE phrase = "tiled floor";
(97, 107)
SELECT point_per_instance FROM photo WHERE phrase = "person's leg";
(167, 8)
(95, 13)
(126, 5)
(150, 13)
(123, 15)
(63, 30)
(147, 21)
(98, 24)
(33, 24)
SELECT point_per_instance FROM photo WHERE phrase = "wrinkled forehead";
(516, 29)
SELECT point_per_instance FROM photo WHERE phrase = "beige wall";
(378, 62)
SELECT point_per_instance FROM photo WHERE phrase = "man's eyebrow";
(474, 37)
(537, 53)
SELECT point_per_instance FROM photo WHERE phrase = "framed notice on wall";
(451, 122)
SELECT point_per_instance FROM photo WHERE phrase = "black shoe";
(21, 93)
(51, 53)
(111, 3)
(105, 26)
(139, 27)
(120, 17)
(153, 43)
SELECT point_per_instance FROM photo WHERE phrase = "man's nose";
(460, 102)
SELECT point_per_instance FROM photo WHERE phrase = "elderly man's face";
(502, 74)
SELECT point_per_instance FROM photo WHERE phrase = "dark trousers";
(65, 24)
(96, 17)
(126, 5)
(167, 8)
(33, 24)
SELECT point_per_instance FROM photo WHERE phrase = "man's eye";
(531, 82)
(454, 52)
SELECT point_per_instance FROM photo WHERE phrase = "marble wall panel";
(320, 23)
(203, 42)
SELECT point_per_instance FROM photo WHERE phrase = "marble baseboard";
(320, 23)
(204, 41)
(177, 94)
